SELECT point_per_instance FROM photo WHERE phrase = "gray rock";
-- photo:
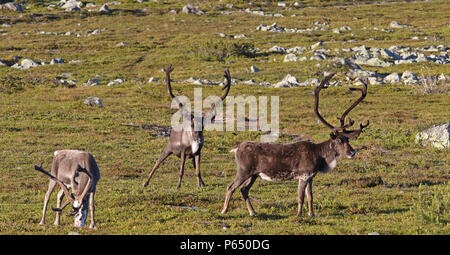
(372, 62)
(93, 101)
(28, 63)
(395, 24)
(254, 69)
(318, 57)
(317, 45)
(436, 136)
(152, 79)
(249, 82)
(11, 6)
(287, 82)
(290, 57)
(105, 9)
(277, 49)
(389, 54)
(392, 78)
(56, 61)
(190, 9)
(71, 5)
(408, 75)
(92, 82)
(115, 82)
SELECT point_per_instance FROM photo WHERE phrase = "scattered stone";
(336, 31)
(409, 77)
(71, 5)
(92, 82)
(11, 6)
(277, 49)
(249, 82)
(189, 9)
(287, 82)
(318, 57)
(373, 62)
(392, 78)
(436, 136)
(105, 9)
(121, 44)
(316, 45)
(395, 24)
(254, 69)
(115, 82)
(56, 61)
(290, 57)
(152, 80)
(93, 101)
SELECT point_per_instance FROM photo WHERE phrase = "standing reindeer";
(77, 170)
(300, 160)
(188, 143)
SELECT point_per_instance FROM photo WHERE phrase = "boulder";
(436, 136)
(190, 9)
(11, 6)
(93, 101)
(392, 78)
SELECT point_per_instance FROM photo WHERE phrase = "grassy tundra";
(392, 186)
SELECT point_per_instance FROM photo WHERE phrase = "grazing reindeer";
(300, 160)
(188, 143)
(77, 170)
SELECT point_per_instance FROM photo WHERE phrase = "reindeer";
(77, 170)
(300, 160)
(188, 143)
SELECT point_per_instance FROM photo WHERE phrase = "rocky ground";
(90, 75)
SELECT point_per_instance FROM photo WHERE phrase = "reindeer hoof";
(92, 226)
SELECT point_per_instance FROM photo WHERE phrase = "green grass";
(38, 117)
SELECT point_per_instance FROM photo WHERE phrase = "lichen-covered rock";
(436, 136)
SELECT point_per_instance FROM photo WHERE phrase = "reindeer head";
(340, 136)
(197, 123)
(79, 202)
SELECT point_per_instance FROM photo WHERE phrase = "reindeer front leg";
(301, 195)
(183, 160)
(51, 187)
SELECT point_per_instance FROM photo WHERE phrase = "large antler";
(225, 94)
(355, 133)
(169, 86)
(316, 106)
(61, 184)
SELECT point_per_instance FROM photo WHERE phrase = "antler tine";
(88, 185)
(228, 85)
(169, 86)
(316, 102)
(363, 91)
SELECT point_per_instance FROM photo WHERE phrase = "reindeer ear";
(333, 135)
(354, 134)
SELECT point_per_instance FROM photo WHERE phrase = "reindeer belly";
(277, 175)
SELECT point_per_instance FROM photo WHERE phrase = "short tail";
(234, 150)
